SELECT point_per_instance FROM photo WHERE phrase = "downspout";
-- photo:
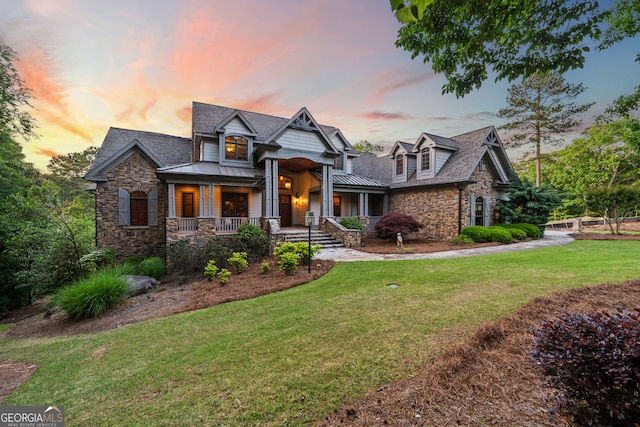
(459, 187)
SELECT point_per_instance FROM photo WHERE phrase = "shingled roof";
(163, 150)
(470, 148)
(206, 118)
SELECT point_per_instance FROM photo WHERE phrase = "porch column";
(363, 206)
(171, 196)
(271, 188)
(327, 190)
(210, 201)
(202, 214)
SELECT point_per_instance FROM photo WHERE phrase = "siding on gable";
(236, 127)
(301, 140)
(210, 152)
(412, 165)
(441, 157)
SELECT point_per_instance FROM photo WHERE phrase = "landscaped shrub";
(253, 241)
(478, 233)
(516, 233)
(499, 234)
(351, 223)
(532, 231)
(265, 267)
(301, 249)
(594, 361)
(288, 262)
(211, 270)
(391, 224)
(462, 240)
(153, 266)
(239, 261)
(92, 296)
(98, 259)
(223, 275)
(183, 257)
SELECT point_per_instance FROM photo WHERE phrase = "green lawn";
(290, 357)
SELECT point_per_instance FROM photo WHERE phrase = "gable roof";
(470, 148)
(163, 150)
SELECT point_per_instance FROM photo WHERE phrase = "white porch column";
(210, 201)
(363, 206)
(171, 196)
(327, 190)
(202, 199)
(271, 188)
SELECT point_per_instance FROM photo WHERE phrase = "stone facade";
(436, 209)
(135, 173)
(445, 211)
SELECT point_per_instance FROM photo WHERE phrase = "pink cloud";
(46, 152)
(50, 96)
(381, 115)
(184, 113)
(393, 80)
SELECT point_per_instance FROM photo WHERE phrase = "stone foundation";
(349, 238)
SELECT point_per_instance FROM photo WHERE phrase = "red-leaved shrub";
(393, 222)
(594, 361)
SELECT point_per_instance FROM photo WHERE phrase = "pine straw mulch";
(489, 379)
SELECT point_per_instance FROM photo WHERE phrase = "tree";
(616, 203)
(466, 40)
(539, 112)
(68, 171)
(14, 97)
(528, 203)
(367, 147)
(624, 22)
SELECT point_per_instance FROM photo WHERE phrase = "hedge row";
(503, 233)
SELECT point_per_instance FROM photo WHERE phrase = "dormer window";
(399, 164)
(425, 159)
(236, 148)
(338, 163)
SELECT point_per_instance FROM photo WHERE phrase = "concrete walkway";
(551, 238)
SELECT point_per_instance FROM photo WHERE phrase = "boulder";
(139, 285)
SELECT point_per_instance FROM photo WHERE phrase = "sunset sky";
(139, 64)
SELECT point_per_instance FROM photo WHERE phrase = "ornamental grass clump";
(153, 267)
(94, 295)
(593, 360)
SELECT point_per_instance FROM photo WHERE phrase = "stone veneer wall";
(436, 209)
(349, 238)
(135, 173)
(483, 187)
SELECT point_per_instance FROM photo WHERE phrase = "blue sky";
(139, 64)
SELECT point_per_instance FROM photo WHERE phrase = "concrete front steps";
(317, 238)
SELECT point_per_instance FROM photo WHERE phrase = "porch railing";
(187, 224)
(231, 224)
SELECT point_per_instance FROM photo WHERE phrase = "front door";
(285, 210)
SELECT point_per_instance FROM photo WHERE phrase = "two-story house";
(239, 166)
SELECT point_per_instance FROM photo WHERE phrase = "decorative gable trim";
(304, 121)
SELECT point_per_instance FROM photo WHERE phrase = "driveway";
(551, 238)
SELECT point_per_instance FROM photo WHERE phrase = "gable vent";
(305, 122)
